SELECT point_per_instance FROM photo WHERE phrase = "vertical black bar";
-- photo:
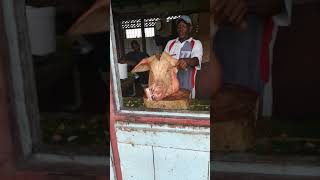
(143, 36)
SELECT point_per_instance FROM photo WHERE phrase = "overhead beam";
(138, 3)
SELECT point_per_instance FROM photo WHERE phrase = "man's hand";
(229, 12)
(182, 64)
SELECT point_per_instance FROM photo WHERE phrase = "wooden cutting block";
(177, 101)
(233, 136)
(234, 116)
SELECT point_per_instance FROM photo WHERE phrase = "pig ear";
(144, 65)
(165, 56)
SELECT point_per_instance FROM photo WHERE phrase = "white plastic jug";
(42, 29)
(123, 70)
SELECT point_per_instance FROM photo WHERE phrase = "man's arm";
(265, 8)
(196, 57)
(280, 10)
(235, 11)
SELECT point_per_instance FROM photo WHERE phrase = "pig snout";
(155, 92)
(148, 93)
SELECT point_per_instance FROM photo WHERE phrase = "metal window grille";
(170, 18)
(133, 27)
(151, 22)
(131, 24)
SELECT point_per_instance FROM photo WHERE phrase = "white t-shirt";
(190, 48)
(197, 50)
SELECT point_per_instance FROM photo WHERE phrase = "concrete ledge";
(278, 169)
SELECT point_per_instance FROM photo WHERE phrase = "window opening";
(133, 84)
(133, 33)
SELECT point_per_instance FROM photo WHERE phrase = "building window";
(149, 32)
(133, 33)
(133, 27)
(127, 100)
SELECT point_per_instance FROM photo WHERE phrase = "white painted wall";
(136, 161)
(180, 164)
(156, 152)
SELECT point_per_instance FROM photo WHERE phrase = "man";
(134, 57)
(189, 53)
(247, 28)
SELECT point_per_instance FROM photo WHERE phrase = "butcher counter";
(147, 146)
(136, 103)
(153, 144)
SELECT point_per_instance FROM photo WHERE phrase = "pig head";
(163, 79)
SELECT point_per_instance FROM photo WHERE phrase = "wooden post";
(234, 113)
(119, 37)
(143, 36)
